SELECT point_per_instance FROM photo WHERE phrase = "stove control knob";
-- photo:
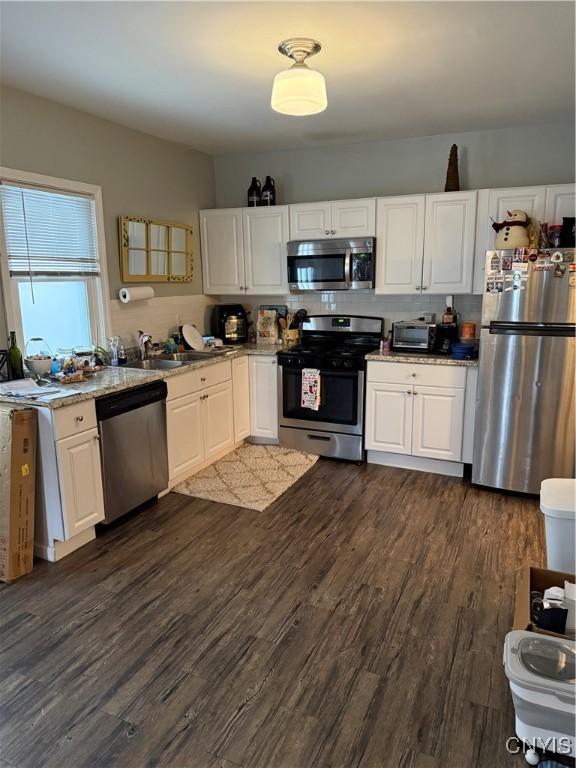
(335, 363)
(300, 361)
(347, 363)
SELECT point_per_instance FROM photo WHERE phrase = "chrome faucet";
(145, 344)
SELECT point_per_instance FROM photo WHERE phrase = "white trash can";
(558, 503)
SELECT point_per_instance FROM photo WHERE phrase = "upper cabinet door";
(310, 221)
(399, 244)
(222, 251)
(353, 218)
(449, 242)
(265, 238)
(559, 203)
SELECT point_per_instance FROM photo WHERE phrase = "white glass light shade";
(299, 91)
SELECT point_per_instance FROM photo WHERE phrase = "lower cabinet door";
(80, 477)
(389, 417)
(241, 392)
(218, 419)
(438, 423)
(264, 397)
(185, 434)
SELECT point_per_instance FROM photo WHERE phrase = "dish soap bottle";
(269, 192)
(254, 193)
(15, 363)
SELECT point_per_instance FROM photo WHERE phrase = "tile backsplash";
(391, 308)
(161, 316)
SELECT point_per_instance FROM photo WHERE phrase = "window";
(53, 263)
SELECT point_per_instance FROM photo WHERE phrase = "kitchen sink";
(191, 357)
(155, 364)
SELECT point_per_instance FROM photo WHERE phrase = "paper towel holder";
(128, 294)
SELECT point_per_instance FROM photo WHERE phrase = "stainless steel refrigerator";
(525, 409)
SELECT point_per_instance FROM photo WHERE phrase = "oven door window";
(338, 398)
(315, 269)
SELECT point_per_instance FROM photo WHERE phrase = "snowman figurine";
(513, 232)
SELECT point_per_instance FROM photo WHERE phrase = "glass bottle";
(15, 363)
(269, 192)
(254, 193)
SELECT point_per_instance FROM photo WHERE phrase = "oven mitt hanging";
(311, 388)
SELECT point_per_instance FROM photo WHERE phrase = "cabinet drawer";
(73, 419)
(429, 375)
(194, 381)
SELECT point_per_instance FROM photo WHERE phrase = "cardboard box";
(530, 579)
(18, 428)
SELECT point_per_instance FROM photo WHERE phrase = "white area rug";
(253, 476)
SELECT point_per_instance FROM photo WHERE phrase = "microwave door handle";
(348, 267)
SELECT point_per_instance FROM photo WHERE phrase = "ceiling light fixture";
(299, 90)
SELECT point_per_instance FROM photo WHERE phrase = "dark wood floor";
(358, 621)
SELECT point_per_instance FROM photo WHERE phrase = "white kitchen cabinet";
(241, 393)
(353, 218)
(338, 218)
(222, 251)
(80, 479)
(560, 203)
(265, 232)
(388, 417)
(415, 416)
(493, 205)
(184, 428)
(218, 420)
(400, 244)
(310, 221)
(264, 397)
(438, 422)
(449, 231)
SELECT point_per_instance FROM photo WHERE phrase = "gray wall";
(140, 175)
(507, 157)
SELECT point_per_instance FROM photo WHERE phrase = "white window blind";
(49, 233)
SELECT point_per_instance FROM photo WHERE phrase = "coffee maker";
(230, 323)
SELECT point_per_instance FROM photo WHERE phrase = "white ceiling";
(201, 72)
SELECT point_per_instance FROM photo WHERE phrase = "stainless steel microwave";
(337, 264)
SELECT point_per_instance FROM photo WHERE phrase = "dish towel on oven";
(311, 388)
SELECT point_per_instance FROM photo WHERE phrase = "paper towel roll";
(138, 293)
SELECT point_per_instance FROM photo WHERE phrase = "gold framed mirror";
(155, 251)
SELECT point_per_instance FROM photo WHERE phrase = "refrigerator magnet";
(559, 270)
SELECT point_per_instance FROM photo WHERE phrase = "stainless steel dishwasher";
(132, 427)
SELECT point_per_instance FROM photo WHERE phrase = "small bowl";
(38, 366)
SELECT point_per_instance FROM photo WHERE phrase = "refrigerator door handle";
(501, 328)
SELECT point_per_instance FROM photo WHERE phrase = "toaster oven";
(413, 336)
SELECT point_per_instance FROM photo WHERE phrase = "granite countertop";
(414, 357)
(112, 380)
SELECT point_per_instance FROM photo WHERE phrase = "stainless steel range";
(335, 345)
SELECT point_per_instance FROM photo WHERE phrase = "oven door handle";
(348, 267)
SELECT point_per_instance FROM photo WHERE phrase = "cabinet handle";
(333, 232)
(415, 393)
(408, 392)
(417, 287)
(424, 287)
(202, 378)
(97, 437)
(273, 362)
(413, 375)
(79, 418)
(326, 231)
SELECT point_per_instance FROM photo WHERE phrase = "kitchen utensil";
(192, 337)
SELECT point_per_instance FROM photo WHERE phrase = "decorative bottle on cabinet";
(254, 193)
(269, 192)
